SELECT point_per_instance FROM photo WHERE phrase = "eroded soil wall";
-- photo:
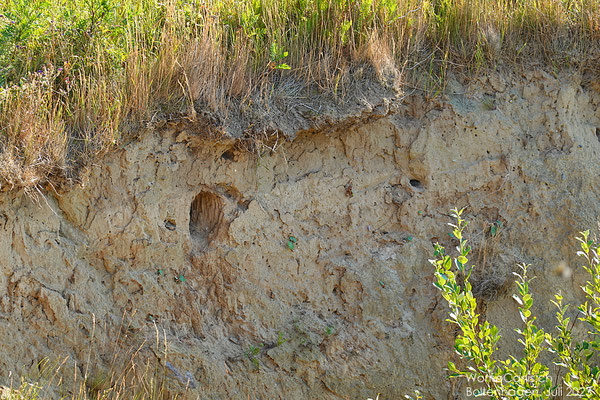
(195, 237)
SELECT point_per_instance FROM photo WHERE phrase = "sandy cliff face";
(195, 236)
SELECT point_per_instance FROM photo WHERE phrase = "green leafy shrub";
(524, 376)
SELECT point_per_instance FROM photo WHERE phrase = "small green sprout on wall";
(292, 242)
(495, 227)
(251, 354)
(280, 339)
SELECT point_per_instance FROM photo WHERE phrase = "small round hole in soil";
(228, 155)
(416, 183)
(206, 216)
(170, 224)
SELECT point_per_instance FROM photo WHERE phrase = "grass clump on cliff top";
(75, 73)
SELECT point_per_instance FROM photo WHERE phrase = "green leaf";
(290, 245)
(524, 314)
(447, 263)
(528, 300)
(493, 331)
(452, 367)
(463, 260)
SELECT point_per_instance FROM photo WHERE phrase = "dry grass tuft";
(121, 369)
(74, 73)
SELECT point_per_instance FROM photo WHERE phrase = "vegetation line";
(75, 73)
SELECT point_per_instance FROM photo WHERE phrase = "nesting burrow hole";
(206, 216)
(416, 183)
(228, 155)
